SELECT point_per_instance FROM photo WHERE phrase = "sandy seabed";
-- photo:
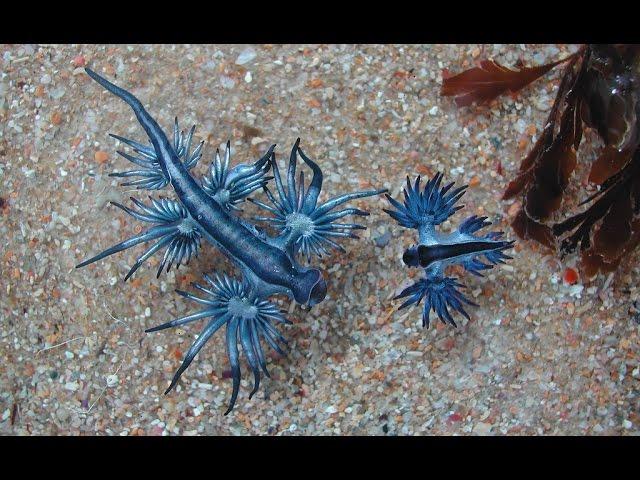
(538, 356)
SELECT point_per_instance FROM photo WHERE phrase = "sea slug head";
(318, 292)
(411, 257)
(310, 287)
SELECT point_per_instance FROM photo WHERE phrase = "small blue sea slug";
(208, 210)
(424, 210)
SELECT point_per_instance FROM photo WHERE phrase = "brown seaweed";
(598, 90)
(489, 80)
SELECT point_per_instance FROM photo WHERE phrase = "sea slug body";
(208, 211)
(425, 209)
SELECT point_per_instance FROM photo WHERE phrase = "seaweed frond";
(489, 80)
(599, 90)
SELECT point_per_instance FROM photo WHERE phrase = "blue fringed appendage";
(423, 211)
(208, 210)
(305, 226)
(440, 294)
(174, 229)
(432, 206)
(248, 319)
(231, 186)
(473, 264)
(152, 175)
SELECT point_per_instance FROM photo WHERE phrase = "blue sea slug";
(208, 210)
(423, 210)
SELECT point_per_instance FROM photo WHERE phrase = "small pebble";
(246, 56)
(570, 276)
(79, 61)
(383, 240)
(101, 157)
(112, 380)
